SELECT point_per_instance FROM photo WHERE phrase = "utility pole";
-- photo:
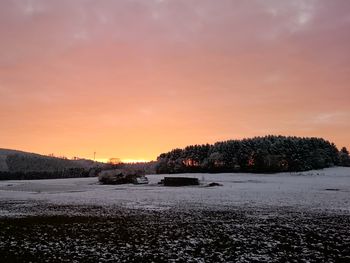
(94, 156)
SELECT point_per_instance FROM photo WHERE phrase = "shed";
(180, 181)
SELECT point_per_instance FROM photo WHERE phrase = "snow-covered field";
(302, 217)
(327, 189)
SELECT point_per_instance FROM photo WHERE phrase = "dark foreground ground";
(232, 235)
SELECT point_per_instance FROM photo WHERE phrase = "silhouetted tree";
(344, 157)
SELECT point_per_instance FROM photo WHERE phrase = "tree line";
(268, 154)
(33, 175)
(32, 166)
(38, 163)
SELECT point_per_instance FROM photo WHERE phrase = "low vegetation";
(120, 176)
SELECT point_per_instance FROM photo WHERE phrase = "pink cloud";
(202, 66)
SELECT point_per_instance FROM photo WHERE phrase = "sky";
(131, 79)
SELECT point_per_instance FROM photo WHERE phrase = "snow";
(292, 217)
(327, 189)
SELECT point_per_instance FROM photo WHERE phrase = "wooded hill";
(267, 154)
(23, 165)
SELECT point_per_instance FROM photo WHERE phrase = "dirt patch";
(240, 235)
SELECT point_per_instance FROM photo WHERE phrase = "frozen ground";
(327, 189)
(302, 217)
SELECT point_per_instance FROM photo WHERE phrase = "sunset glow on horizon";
(133, 79)
(107, 160)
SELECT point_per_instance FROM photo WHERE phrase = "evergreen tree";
(344, 157)
(259, 154)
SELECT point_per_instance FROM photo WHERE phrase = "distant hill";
(13, 161)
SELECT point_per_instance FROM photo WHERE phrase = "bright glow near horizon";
(106, 160)
(137, 78)
(134, 161)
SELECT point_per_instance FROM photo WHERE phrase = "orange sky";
(132, 79)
